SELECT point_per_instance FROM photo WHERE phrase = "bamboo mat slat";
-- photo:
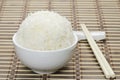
(98, 15)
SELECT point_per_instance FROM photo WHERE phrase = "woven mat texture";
(98, 15)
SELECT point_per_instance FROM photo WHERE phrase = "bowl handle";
(97, 35)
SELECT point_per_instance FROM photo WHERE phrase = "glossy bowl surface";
(44, 62)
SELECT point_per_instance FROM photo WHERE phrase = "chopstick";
(97, 52)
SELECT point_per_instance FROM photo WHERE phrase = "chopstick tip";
(82, 24)
(113, 76)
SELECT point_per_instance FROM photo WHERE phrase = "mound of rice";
(45, 30)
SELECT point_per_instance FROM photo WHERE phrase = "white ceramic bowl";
(44, 62)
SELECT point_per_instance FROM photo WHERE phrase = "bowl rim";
(58, 50)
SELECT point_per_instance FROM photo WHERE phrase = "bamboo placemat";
(98, 15)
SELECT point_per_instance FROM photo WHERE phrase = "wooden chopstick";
(101, 59)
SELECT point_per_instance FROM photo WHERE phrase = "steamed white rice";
(45, 30)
